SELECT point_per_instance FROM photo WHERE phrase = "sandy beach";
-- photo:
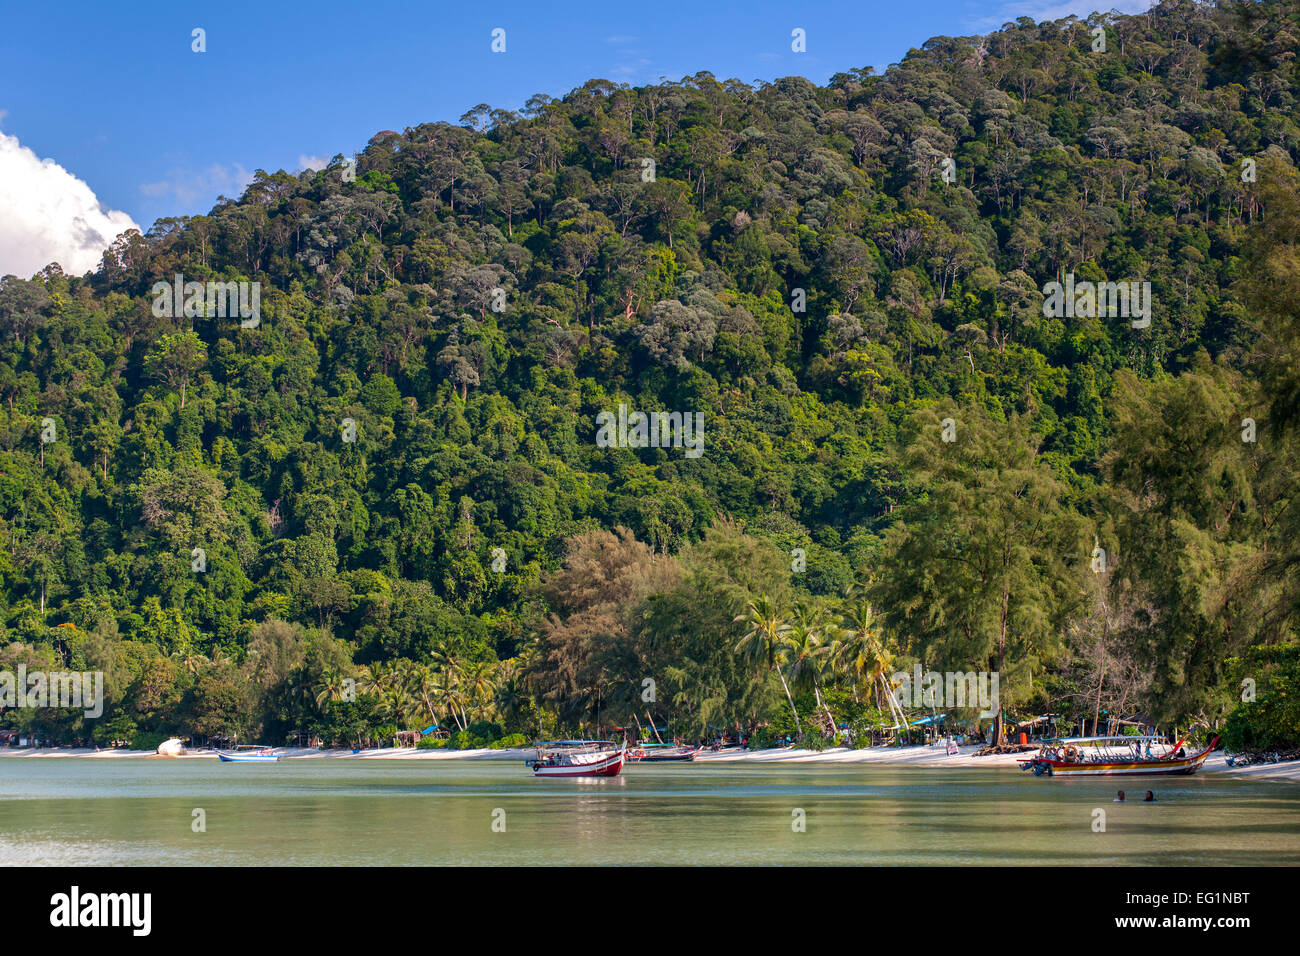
(923, 756)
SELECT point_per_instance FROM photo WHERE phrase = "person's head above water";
(1150, 796)
(1120, 796)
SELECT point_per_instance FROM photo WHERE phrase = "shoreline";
(924, 757)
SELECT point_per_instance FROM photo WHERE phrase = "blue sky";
(114, 95)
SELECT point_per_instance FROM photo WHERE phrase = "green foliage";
(1271, 720)
(396, 469)
(479, 734)
(147, 740)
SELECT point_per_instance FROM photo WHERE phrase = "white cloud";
(313, 162)
(196, 190)
(1045, 10)
(49, 215)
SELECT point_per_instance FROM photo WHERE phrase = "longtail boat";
(659, 753)
(249, 753)
(577, 758)
(1114, 756)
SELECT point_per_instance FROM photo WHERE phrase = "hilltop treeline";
(382, 503)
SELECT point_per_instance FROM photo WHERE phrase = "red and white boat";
(577, 758)
(1114, 757)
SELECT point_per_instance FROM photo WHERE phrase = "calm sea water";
(125, 811)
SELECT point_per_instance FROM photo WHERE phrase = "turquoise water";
(130, 811)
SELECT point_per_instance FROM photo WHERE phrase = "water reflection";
(340, 812)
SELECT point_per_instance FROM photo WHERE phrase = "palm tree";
(452, 673)
(424, 685)
(374, 678)
(394, 702)
(509, 690)
(762, 642)
(330, 689)
(864, 653)
(478, 684)
(807, 652)
(446, 688)
(853, 643)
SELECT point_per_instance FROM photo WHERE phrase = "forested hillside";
(392, 475)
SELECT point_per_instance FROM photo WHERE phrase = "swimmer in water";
(1149, 798)
(1120, 798)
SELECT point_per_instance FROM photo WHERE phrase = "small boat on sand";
(659, 753)
(1114, 757)
(577, 758)
(249, 753)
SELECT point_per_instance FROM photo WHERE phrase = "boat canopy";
(1129, 738)
(571, 743)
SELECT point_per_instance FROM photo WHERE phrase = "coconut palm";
(509, 689)
(478, 685)
(374, 678)
(864, 653)
(395, 703)
(807, 651)
(762, 642)
(452, 671)
(446, 690)
(331, 689)
(424, 687)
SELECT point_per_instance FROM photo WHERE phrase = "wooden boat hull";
(249, 758)
(662, 758)
(608, 766)
(1140, 768)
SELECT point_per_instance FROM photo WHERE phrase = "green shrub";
(509, 741)
(430, 743)
(120, 727)
(485, 730)
(1270, 721)
(148, 740)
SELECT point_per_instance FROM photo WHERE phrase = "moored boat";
(1114, 757)
(249, 753)
(577, 758)
(658, 753)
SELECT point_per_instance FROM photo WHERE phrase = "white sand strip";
(922, 756)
